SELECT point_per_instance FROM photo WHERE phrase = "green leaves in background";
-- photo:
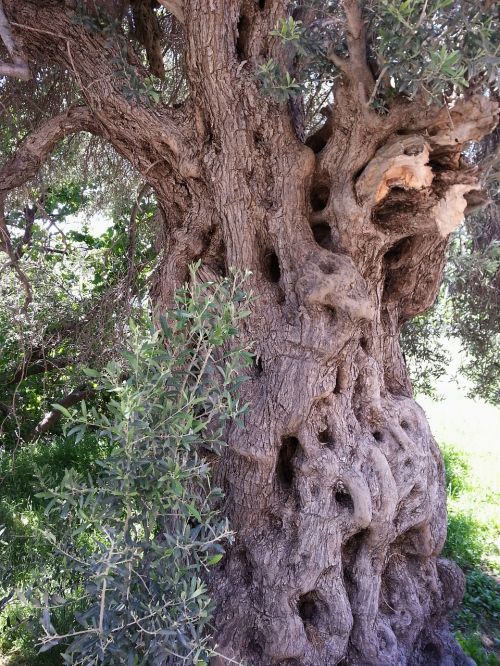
(133, 536)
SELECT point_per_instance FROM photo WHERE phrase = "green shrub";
(457, 470)
(481, 604)
(471, 543)
(467, 539)
(473, 647)
(24, 552)
(140, 536)
(19, 631)
(26, 556)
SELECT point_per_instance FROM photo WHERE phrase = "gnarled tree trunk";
(335, 486)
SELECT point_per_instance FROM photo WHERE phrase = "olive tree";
(318, 145)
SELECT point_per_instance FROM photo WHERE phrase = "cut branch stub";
(403, 163)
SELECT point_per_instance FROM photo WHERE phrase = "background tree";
(467, 305)
(335, 488)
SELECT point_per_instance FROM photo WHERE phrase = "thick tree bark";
(335, 487)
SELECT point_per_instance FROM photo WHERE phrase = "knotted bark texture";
(336, 486)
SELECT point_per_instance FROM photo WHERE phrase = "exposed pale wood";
(468, 120)
(449, 212)
(402, 162)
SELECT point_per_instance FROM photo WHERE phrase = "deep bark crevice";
(326, 437)
(246, 566)
(285, 468)
(313, 610)
(271, 266)
(319, 139)
(242, 37)
(323, 235)
(255, 647)
(395, 254)
(320, 194)
(340, 381)
(258, 364)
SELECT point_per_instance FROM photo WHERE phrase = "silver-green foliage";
(142, 535)
(434, 46)
(427, 48)
(275, 82)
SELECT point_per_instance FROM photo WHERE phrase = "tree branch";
(26, 240)
(6, 246)
(355, 67)
(38, 145)
(38, 367)
(19, 65)
(132, 241)
(24, 165)
(137, 128)
(51, 418)
(356, 35)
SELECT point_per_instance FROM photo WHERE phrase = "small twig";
(228, 659)
(422, 16)
(377, 84)
(102, 604)
(29, 27)
(6, 246)
(53, 250)
(132, 240)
